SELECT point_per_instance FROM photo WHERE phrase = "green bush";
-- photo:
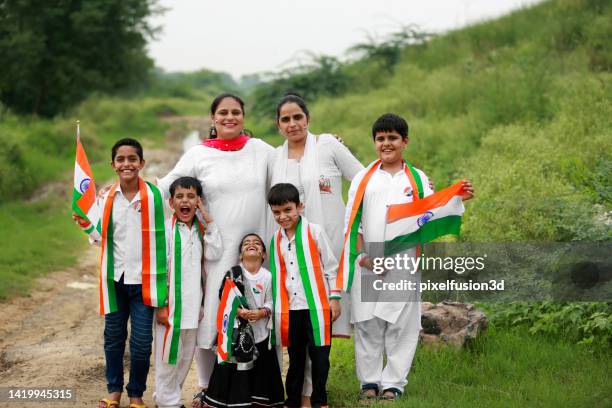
(588, 324)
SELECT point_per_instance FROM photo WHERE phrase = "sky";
(255, 36)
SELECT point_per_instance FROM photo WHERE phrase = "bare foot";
(306, 401)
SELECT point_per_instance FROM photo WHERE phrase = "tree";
(56, 52)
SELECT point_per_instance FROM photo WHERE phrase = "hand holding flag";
(84, 206)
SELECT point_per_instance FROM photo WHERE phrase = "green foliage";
(35, 151)
(56, 53)
(198, 84)
(588, 324)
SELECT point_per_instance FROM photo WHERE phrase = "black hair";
(249, 235)
(186, 182)
(390, 122)
(215, 103)
(127, 142)
(292, 97)
(283, 193)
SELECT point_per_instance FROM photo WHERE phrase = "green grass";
(36, 238)
(502, 368)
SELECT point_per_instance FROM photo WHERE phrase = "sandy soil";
(53, 337)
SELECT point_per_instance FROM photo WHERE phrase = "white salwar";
(384, 328)
(234, 184)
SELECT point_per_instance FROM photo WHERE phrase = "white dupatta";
(313, 209)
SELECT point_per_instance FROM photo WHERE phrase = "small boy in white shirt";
(306, 300)
(188, 243)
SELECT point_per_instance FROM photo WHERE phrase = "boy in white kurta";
(189, 242)
(382, 328)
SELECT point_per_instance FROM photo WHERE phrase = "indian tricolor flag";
(226, 316)
(422, 221)
(84, 192)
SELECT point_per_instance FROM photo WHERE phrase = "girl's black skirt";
(261, 386)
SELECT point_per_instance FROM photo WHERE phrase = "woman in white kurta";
(316, 166)
(233, 170)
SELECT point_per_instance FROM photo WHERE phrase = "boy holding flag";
(381, 327)
(132, 271)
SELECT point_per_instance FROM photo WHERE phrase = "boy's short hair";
(186, 182)
(283, 193)
(252, 234)
(390, 122)
(128, 141)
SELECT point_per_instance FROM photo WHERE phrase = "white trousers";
(376, 338)
(169, 378)
(205, 362)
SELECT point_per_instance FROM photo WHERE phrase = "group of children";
(153, 270)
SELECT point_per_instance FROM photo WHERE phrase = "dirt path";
(53, 337)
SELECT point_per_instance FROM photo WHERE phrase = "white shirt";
(191, 266)
(258, 288)
(127, 237)
(293, 282)
(382, 190)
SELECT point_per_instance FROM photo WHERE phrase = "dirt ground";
(53, 337)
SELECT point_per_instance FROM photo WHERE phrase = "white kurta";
(234, 185)
(382, 190)
(258, 292)
(191, 265)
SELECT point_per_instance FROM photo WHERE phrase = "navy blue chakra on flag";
(428, 215)
(84, 185)
(225, 322)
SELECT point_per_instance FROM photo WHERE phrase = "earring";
(212, 133)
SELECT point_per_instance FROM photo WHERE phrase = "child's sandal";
(386, 397)
(109, 403)
(368, 396)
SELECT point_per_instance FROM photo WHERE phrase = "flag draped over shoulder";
(350, 252)
(154, 275)
(311, 274)
(175, 302)
(84, 192)
(231, 300)
(422, 221)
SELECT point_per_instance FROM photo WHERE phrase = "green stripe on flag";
(312, 307)
(230, 328)
(76, 194)
(160, 246)
(450, 225)
(176, 324)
